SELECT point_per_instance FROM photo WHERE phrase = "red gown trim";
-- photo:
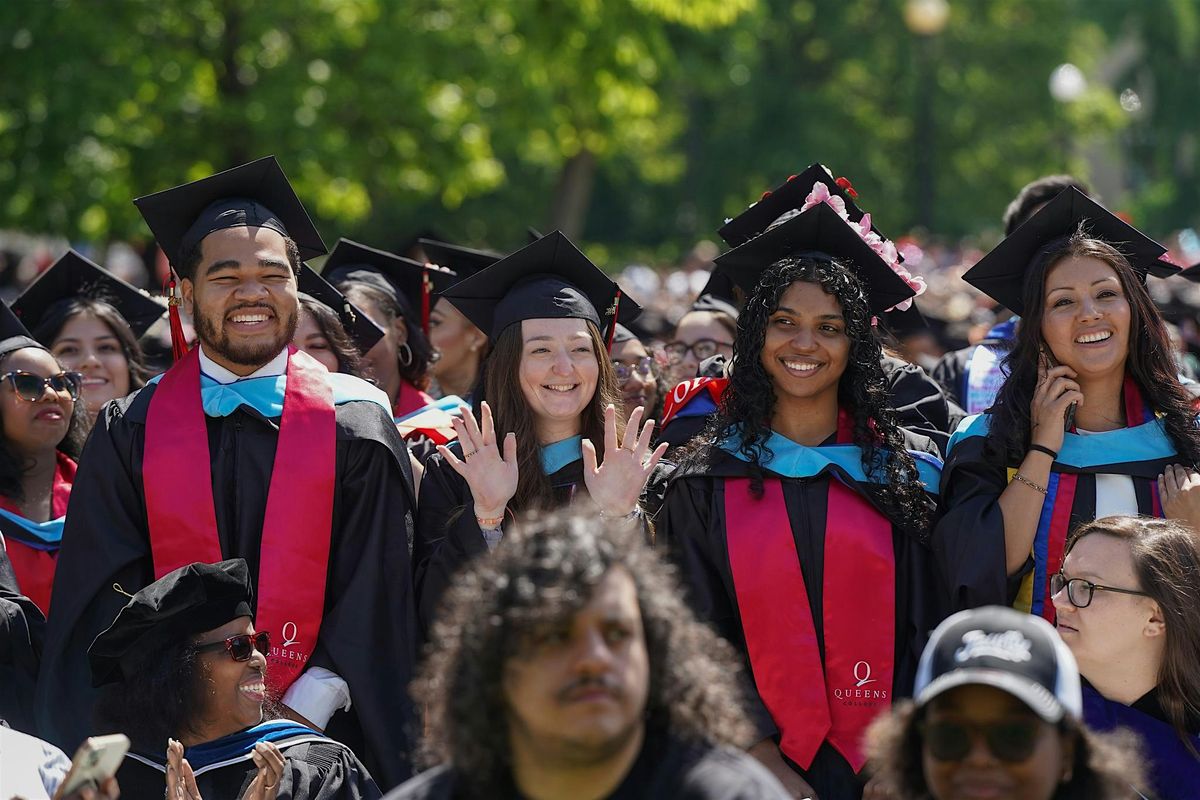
(33, 568)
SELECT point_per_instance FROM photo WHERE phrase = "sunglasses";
(1080, 591)
(242, 646)
(625, 371)
(31, 387)
(1012, 742)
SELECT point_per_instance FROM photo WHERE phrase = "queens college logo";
(285, 651)
(861, 694)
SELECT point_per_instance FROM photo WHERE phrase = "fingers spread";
(489, 427)
(510, 449)
(589, 456)
(631, 428)
(610, 430)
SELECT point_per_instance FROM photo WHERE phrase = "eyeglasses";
(701, 348)
(242, 646)
(643, 367)
(1080, 591)
(31, 387)
(1011, 741)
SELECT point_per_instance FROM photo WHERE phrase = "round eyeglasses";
(1080, 591)
(643, 366)
(701, 349)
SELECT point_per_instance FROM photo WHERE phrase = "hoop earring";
(406, 354)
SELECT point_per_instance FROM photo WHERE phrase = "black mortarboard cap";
(1003, 272)
(362, 329)
(14, 335)
(181, 604)
(818, 230)
(718, 295)
(253, 195)
(1192, 273)
(623, 334)
(400, 277)
(465, 261)
(903, 323)
(546, 279)
(75, 276)
(787, 197)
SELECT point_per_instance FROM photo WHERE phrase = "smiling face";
(578, 688)
(34, 427)
(243, 297)
(1114, 627)
(558, 373)
(312, 340)
(704, 331)
(980, 774)
(806, 348)
(87, 345)
(232, 692)
(639, 389)
(1086, 316)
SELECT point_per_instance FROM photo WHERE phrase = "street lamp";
(926, 19)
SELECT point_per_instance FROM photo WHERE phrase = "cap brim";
(1039, 699)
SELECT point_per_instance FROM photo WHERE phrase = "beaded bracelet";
(490, 524)
(1019, 477)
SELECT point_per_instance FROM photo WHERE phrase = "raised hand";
(1179, 491)
(617, 484)
(269, 761)
(491, 475)
(181, 783)
(1056, 390)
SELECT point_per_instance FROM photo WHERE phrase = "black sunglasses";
(1012, 741)
(1080, 590)
(31, 387)
(242, 646)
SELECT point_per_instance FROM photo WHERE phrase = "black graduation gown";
(973, 478)
(692, 522)
(920, 403)
(665, 768)
(321, 770)
(367, 633)
(22, 628)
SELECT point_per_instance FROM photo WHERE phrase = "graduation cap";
(906, 322)
(254, 195)
(405, 280)
(362, 329)
(546, 279)
(1192, 273)
(181, 604)
(465, 261)
(1003, 273)
(787, 197)
(74, 276)
(817, 231)
(622, 334)
(718, 296)
(13, 335)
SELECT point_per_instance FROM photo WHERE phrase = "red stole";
(34, 568)
(811, 702)
(409, 399)
(182, 519)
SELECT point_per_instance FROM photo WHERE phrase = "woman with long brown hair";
(1090, 415)
(1126, 598)
(548, 428)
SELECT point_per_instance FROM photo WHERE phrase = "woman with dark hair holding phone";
(549, 431)
(1091, 414)
(44, 429)
(804, 493)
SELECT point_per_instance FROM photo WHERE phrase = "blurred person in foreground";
(183, 673)
(31, 769)
(1126, 598)
(564, 665)
(997, 714)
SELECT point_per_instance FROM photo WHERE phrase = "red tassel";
(612, 315)
(426, 291)
(179, 345)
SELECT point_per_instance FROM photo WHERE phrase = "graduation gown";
(955, 369)
(920, 404)
(33, 546)
(22, 628)
(315, 767)
(367, 633)
(1173, 771)
(973, 479)
(665, 768)
(693, 522)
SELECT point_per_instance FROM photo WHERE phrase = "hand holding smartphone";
(1051, 363)
(96, 760)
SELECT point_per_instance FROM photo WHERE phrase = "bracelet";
(1043, 449)
(635, 514)
(1019, 477)
(490, 524)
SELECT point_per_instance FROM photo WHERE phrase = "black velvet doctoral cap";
(401, 277)
(1003, 272)
(255, 195)
(818, 231)
(362, 329)
(465, 261)
(75, 276)
(179, 605)
(546, 279)
(14, 335)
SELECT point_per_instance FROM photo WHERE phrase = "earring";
(406, 354)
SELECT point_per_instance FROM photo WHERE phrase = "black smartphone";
(1069, 416)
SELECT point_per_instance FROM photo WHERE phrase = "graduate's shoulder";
(323, 756)
(435, 784)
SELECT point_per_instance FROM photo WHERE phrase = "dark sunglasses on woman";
(31, 387)
(1011, 740)
(242, 646)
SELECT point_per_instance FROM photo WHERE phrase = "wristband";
(1043, 449)
(490, 523)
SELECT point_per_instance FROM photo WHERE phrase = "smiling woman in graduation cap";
(805, 493)
(461, 347)
(1091, 414)
(548, 427)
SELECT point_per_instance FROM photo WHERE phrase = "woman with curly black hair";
(804, 493)
(1092, 412)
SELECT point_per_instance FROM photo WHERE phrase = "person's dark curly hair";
(1150, 361)
(543, 572)
(13, 467)
(1035, 194)
(416, 371)
(1106, 767)
(327, 322)
(749, 401)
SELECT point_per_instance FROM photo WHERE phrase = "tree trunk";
(573, 194)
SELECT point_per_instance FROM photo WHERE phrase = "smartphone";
(1069, 417)
(96, 760)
